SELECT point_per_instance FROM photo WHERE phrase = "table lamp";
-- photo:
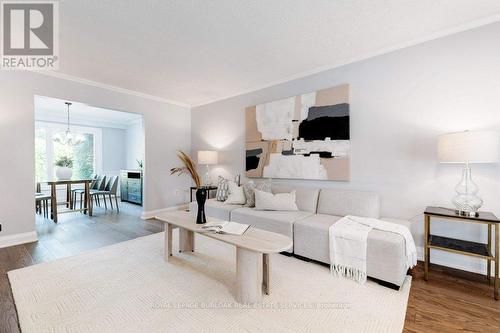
(468, 147)
(207, 157)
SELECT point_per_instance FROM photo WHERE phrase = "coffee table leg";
(168, 241)
(266, 283)
(186, 240)
(249, 272)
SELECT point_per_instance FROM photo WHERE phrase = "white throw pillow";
(278, 201)
(236, 195)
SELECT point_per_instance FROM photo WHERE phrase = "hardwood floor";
(451, 301)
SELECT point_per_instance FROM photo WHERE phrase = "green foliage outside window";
(84, 158)
(40, 155)
(81, 156)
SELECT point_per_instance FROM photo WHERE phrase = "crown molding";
(96, 84)
(134, 122)
(81, 121)
(436, 35)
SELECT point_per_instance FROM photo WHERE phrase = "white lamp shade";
(469, 147)
(207, 157)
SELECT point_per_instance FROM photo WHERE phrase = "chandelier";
(68, 138)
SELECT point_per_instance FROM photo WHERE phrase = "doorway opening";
(89, 165)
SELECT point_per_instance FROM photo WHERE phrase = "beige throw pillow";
(278, 201)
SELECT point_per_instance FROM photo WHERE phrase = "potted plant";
(201, 192)
(140, 163)
(64, 168)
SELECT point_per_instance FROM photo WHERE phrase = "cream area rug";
(128, 287)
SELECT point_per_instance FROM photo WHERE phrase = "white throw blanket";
(348, 243)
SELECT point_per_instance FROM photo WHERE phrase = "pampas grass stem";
(188, 168)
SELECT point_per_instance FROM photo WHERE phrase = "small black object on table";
(459, 246)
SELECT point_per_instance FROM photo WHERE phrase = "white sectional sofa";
(308, 227)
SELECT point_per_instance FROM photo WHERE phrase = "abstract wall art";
(301, 137)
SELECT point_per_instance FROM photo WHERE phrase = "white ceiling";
(198, 51)
(54, 110)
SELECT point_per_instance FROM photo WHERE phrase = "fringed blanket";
(348, 243)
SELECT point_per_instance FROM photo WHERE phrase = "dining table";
(70, 206)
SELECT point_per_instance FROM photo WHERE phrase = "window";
(86, 156)
(40, 155)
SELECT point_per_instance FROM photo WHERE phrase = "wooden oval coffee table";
(252, 251)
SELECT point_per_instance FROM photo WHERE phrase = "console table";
(478, 250)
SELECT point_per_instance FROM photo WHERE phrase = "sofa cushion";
(386, 251)
(216, 209)
(346, 202)
(306, 198)
(311, 237)
(280, 222)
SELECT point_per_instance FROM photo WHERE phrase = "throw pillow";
(265, 186)
(236, 195)
(222, 189)
(278, 201)
(249, 188)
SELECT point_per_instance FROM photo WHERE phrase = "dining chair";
(110, 190)
(98, 183)
(101, 186)
(42, 204)
(41, 201)
(37, 192)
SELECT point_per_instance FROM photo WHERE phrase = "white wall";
(114, 153)
(134, 139)
(167, 127)
(400, 103)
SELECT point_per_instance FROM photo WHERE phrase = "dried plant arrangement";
(188, 168)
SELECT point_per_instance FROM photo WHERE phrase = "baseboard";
(452, 260)
(16, 239)
(152, 213)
